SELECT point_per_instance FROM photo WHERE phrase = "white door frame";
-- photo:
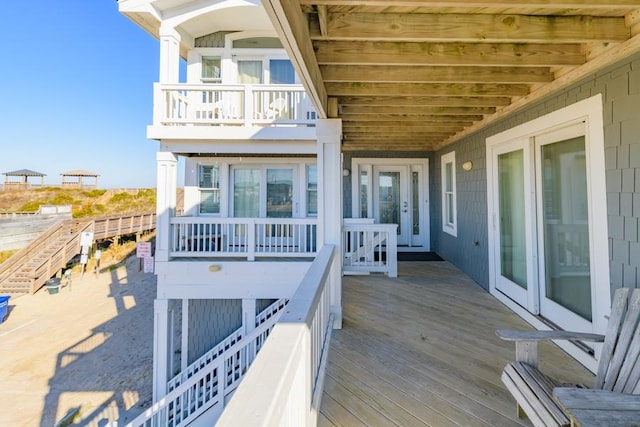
(421, 165)
(589, 111)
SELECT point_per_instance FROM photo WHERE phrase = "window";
(449, 210)
(312, 190)
(209, 186)
(281, 72)
(211, 69)
(250, 72)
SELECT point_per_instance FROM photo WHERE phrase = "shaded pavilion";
(22, 183)
(76, 179)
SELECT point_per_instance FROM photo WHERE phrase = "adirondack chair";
(615, 396)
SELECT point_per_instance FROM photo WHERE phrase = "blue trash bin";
(4, 307)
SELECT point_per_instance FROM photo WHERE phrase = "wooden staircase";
(29, 269)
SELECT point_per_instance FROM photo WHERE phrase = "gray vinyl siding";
(210, 321)
(620, 89)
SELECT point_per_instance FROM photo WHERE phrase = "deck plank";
(421, 350)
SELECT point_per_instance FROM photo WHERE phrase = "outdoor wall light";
(468, 165)
(346, 172)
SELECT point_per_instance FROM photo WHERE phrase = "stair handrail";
(33, 247)
(61, 256)
(174, 401)
(236, 336)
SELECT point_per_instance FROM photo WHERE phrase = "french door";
(391, 199)
(394, 191)
(542, 245)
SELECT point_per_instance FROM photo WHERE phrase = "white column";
(248, 315)
(169, 55)
(184, 348)
(161, 347)
(328, 132)
(165, 202)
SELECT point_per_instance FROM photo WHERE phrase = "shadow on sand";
(108, 373)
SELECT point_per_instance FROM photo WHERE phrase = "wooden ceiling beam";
(409, 111)
(420, 101)
(408, 123)
(471, 28)
(451, 54)
(424, 74)
(475, 4)
(378, 145)
(390, 116)
(432, 89)
(361, 129)
(293, 29)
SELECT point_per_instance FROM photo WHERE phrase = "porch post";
(248, 315)
(161, 347)
(165, 202)
(328, 132)
(184, 346)
(169, 55)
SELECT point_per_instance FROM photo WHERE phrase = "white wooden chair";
(615, 393)
(276, 109)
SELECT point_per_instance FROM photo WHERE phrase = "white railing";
(229, 105)
(242, 237)
(369, 248)
(266, 319)
(208, 382)
(284, 385)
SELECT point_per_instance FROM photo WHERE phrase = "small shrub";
(93, 193)
(31, 206)
(120, 197)
(62, 199)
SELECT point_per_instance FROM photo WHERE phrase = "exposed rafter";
(418, 74)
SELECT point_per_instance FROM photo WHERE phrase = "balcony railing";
(242, 237)
(370, 248)
(285, 382)
(232, 105)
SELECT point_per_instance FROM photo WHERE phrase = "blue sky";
(77, 80)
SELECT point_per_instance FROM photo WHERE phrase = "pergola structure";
(75, 179)
(10, 183)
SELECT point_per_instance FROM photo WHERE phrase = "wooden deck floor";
(421, 350)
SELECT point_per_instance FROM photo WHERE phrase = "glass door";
(391, 199)
(513, 243)
(563, 228)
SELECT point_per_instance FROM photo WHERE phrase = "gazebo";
(10, 183)
(75, 179)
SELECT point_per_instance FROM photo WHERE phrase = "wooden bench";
(548, 403)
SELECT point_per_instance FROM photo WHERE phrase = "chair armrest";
(527, 341)
(515, 335)
(584, 398)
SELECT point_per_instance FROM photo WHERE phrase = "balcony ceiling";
(420, 74)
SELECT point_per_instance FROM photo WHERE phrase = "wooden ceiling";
(420, 74)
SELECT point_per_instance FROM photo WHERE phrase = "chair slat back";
(618, 370)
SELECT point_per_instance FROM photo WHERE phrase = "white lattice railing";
(239, 104)
(284, 385)
(242, 237)
(206, 383)
(370, 248)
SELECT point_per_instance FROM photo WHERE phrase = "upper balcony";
(236, 111)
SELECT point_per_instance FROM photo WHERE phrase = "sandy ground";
(89, 346)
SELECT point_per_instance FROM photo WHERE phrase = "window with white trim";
(209, 187)
(211, 69)
(312, 190)
(449, 208)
